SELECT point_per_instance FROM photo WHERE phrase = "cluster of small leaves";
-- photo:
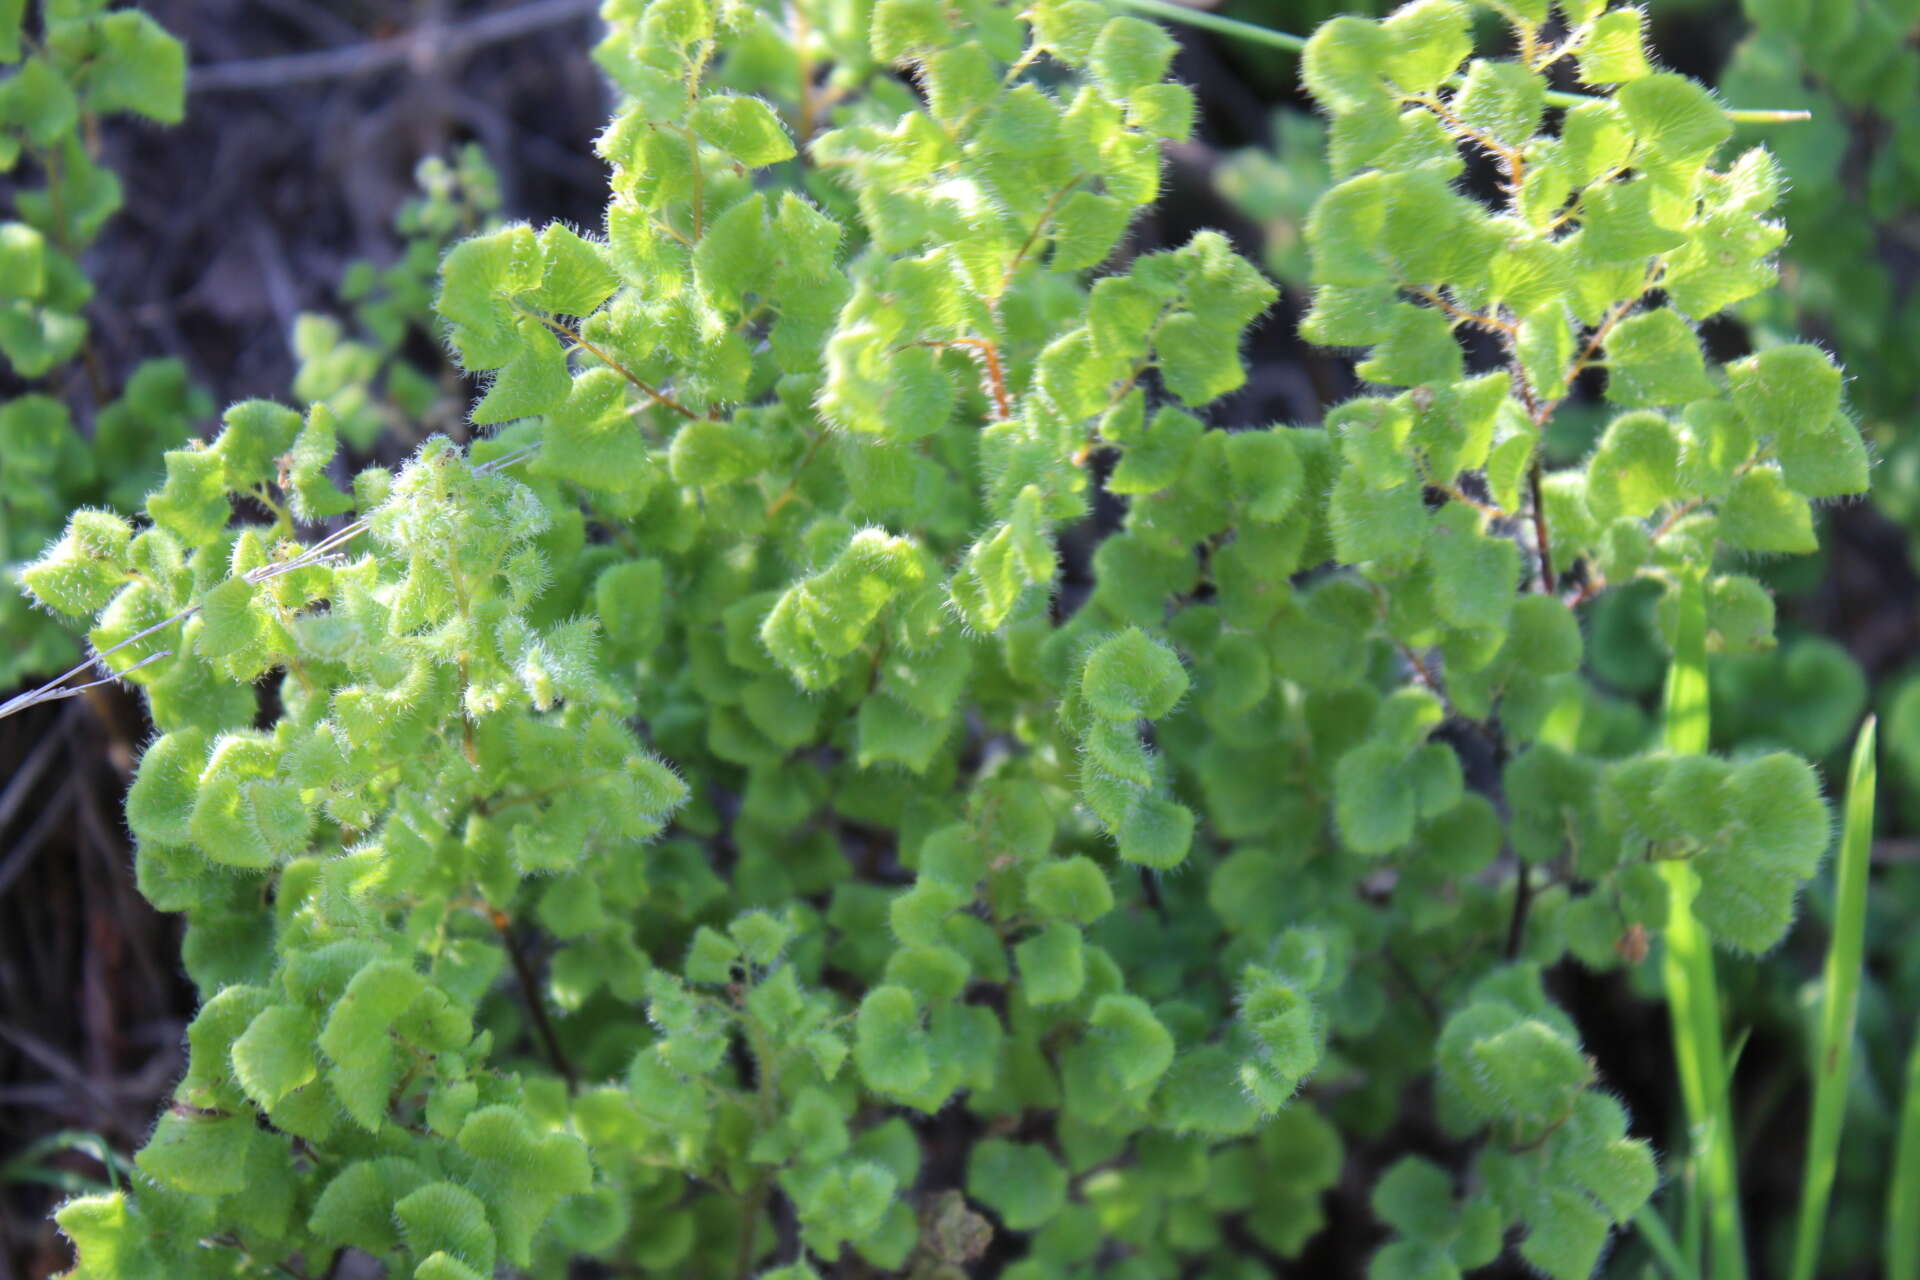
(66, 442)
(1611, 235)
(1855, 173)
(369, 382)
(1856, 69)
(1150, 891)
(444, 746)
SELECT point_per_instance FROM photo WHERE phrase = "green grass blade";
(1903, 1223)
(1693, 994)
(1255, 34)
(1687, 723)
(27, 1165)
(1692, 1219)
(1214, 22)
(1653, 1229)
(1833, 1061)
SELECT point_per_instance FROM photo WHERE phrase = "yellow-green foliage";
(680, 796)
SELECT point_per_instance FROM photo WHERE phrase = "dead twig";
(21, 784)
(425, 45)
(23, 852)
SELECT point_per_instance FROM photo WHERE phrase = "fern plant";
(1852, 65)
(68, 439)
(849, 698)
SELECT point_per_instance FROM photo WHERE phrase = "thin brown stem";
(1466, 499)
(1529, 44)
(1040, 224)
(1592, 587)
(1464, 316)
(1552, 53)
(1021, 64)
(488, 808)
(673, 232)
(786, 495)
(1685, 509)
(536, 1007)
(990, 356)
(1512, 163)
(574, 336)
(1579, 203)
(234, 1243)
(1673, 518)
(1420, 672)
(1619, 312)
(1425, 677)
(1412, 985)
(1522, 900)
